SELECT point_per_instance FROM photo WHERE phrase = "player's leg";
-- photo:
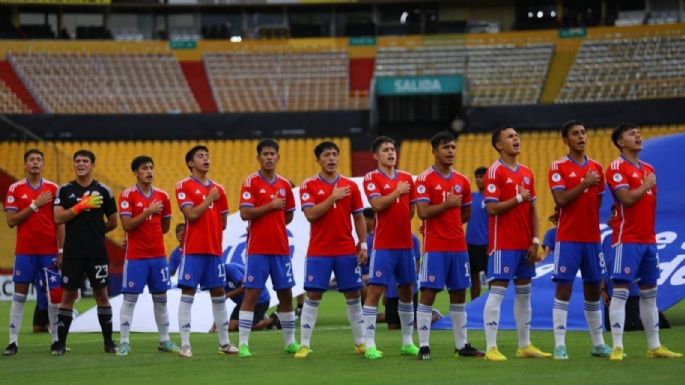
(317, 272)
(348, 274)
(256, 272)
(260, 320)
(566, 264)
(432, 278)
(73, 271)
(281, 272)
(158, 284)
(189, 274)
(23, 265)
(477, 262)
(626, 262)
(522, 307)
(591, 268)
(405, 277)
(457, 281)
(233, 318)
(49, 263)
(648, 273)
(214, 280)
(379, 262)
(133, 282)
(98, 275)
(499, 280)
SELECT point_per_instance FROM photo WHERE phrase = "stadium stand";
(627, 69)
(232, 161)
(282, 80)
(99, 83)
(9, 102)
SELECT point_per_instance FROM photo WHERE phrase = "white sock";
(244, 326)
(369, 315)
(522, 314)
(649, 314)
(354, 315)
(220, 319)
(310, 310)
(617, 315)
(161, 316)
(288, 324)
(424, 316)
(593, 316)
(16, 316)
(491, 314)
(458, 317)
(184, 318)
(128, 305)
(52, 318)
(559, 320)
(406, 313)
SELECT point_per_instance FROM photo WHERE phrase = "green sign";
(571, 33)
(362, 40)
(182, 44)
(419, 85)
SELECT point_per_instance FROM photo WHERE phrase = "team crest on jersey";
(457, 188)
(65, 279)
(310, 278)
(492, 188)
(556, 177)
(124, 204)
(281, 192)
(181, 196)
(305, 196)
(618, 178)
(247, 195)
(10, 199)
(526, 180)
(371, 187)
(421, 189)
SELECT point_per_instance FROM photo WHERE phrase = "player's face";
(200, 161)
(445, 153)
(34, 164)
(386, 155)
(145, 173)
(268, 158)
(328, 160)
(83, 166)
(631, 140)
(509, 142)
(576, 139)
(479, 181)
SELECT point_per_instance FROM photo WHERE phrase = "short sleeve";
(62, 196)
(466, 197)
(616, 179)
(533, 195)
(555, 179)
(601, 186)
(289, 198)
(166, 206)
(306, 197)
(11, 203)
(370, 188)
(357, 204)
(492, 191)
(109, 205)
(421, 192)
(182, 196)
(223, 201)
(247, 198)
(412, 190)
(125, 205)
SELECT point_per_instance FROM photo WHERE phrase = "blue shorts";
(205, 270)
(392, 267)
(153, 272)
(569, 257)
(317, 273)
(259, 267)
(440, 269)
(29, 268)
(635, 262)
(509, 264)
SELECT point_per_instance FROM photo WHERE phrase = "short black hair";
(266, 143)
(85, 153)
(191, 153)
(368, 212)
(480, 171)
(568, 126)
(379, 141)
(32, 151)
(323, 146)
(139, 161)
(179, 226)
(497, 134)
(440, 138)
(618, 132)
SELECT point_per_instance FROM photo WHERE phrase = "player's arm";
(224, 221)
(465, 213)
(130, 223)
(166, 225)
(535, 242)
(111, 223)
(238, 291)
(629, 197)
(289, 215)
(412, 210)
(16, 217)
(313, 213)
(564, 197)
(193, 213)
(428, 211)
(248, 213)
(360, 229)
(380, 203)
(497, 207)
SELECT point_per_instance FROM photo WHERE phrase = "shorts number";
(165, 274)
(467, 268)
(101, 271)
(289, 271)
(222, 270)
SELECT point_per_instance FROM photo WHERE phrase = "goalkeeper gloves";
(92, 201)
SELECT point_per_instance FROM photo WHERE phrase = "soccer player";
(205, 208)
(633, 185)
(444, 205)
(177, 253)
(477, 234)
(145, 213)
(235, 276)
(28, 207)
(513, 242)
(391, 195)
(267, 203)
(328, 201)
(577, 184)
(87, 209)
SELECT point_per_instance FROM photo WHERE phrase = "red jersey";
(204, 235)
(445, 232)
(331, 234)
(511, 230)
(393, 225)
(266, 234)
(634, 224)
(579, 220)
(146, 240)
(37, 235)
